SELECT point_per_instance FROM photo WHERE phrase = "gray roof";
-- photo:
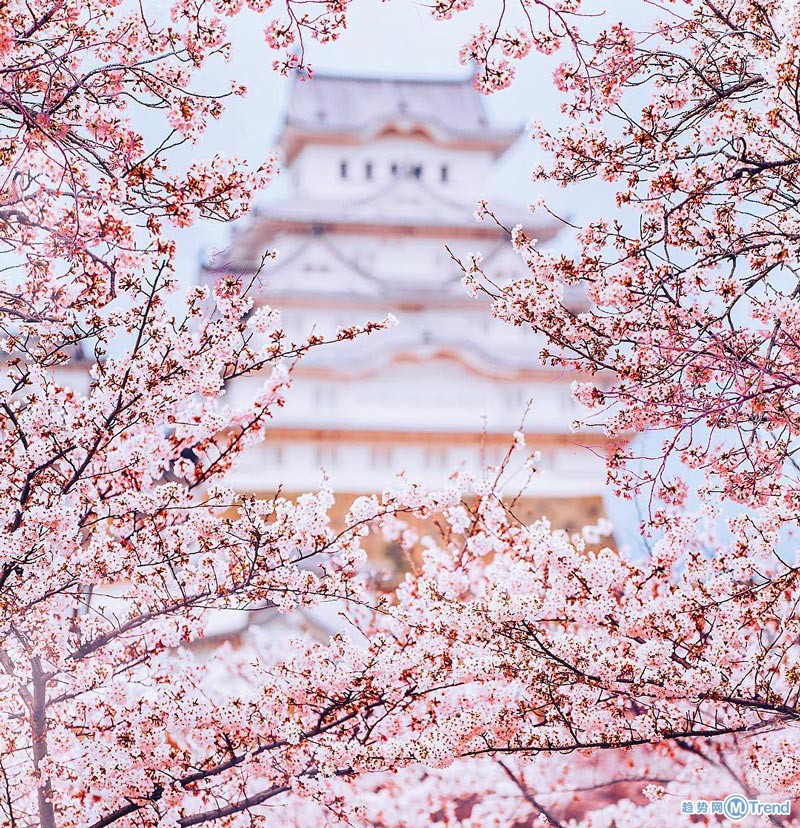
(335, 103)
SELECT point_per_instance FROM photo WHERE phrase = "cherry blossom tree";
(113, 435)
(692, 284)
(516, 674)
(690, 313)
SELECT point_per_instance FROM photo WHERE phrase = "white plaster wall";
(438, 395)
(316, 170)
(362, 467)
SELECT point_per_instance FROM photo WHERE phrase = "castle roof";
(448, 111)
(401, 207)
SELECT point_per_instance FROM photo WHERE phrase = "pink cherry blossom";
(517, 674)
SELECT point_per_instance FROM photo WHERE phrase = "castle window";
(326, 455)
(368, 169)
(516, 398)
(416, 171)
(436, 457)
(380, 457)
(444, 173)
(394, 169)
(343, 169)
(324, 396)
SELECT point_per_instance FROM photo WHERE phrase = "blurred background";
(384, 157)
(384, 176)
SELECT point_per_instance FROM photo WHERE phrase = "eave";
(295, 138)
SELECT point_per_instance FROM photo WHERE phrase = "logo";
(735, 807)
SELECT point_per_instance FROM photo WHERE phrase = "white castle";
(384, 173)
